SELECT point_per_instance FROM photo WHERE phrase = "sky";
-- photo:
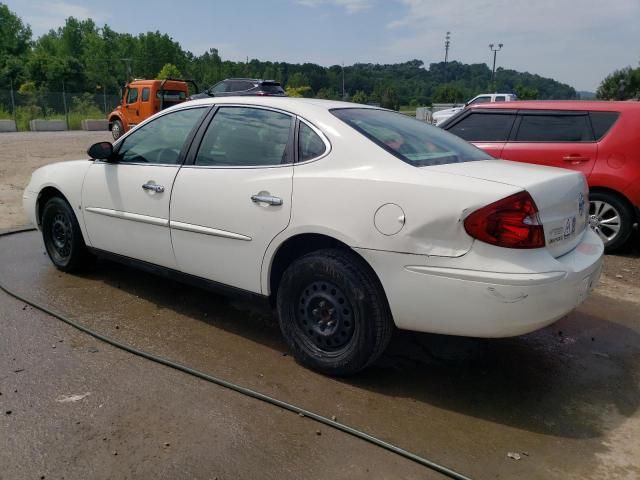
(578, 42)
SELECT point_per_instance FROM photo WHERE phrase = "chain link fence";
(70, 107)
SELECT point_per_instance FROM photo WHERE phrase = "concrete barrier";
(94, 125)
(40, 125)
(7, 126)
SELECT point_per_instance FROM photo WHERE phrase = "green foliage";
(169, 70)
(526, 93)
(449, 93)
(304, 91)
(15, 42)
(359, 97)
(622, 84)
(85, 106)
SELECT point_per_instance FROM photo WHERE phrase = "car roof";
(291, 104)
(596, 105)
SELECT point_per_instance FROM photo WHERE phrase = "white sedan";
(353, 220)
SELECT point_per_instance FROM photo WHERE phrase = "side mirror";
(101, 151)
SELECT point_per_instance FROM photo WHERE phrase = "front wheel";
(333, 312)
(611, 218)
(62, 236)
(117, 129)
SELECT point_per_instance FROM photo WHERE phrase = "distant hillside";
(584, 95)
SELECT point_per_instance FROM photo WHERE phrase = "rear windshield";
(271, 87)
(412, 141)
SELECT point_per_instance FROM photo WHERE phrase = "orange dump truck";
(143, 98)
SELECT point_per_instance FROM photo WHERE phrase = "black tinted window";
(602, 122)
(161, 140)
(554, 128)
(414, 142)
(240, 86)
(484, 127)
(310, 145)
(241, 136)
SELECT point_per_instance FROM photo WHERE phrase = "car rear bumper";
(451, 297)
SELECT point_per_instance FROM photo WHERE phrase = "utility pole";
(447, 43)
(495, 52)
(343, 81)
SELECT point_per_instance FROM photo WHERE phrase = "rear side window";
(602, 122)
(145, 94)
(244, 137)
(484, 127)
(417, 143)
(554, 128)
(271, 87)
(501, 99)
(310, 145)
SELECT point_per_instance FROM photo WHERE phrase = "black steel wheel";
(62, 236)
(333, 312)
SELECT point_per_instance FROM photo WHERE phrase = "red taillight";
(512, 222)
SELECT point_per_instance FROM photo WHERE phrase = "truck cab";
(142, 99)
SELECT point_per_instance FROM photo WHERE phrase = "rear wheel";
(611, 218)
(62, 236)
(117, 129)
(333, 312)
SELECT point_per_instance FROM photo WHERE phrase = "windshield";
(414, 142)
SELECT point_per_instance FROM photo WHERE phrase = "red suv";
(600, 139)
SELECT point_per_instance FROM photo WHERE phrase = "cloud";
(351, 6)
(42, 15)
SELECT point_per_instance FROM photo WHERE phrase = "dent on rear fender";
(442, 237)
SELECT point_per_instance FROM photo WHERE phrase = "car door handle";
(153, 187)
(575, 159)
(271, 200)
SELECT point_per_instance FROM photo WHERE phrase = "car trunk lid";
(560, 195)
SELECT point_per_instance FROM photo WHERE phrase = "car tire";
(62, 237)
(117, 129)
(604, 208)
(333, 312)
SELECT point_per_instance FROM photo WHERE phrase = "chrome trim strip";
(134, 217)
(190, 227)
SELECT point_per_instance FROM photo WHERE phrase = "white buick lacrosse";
(352, 219)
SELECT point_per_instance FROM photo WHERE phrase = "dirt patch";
(22, 153)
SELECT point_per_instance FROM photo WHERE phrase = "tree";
(304, 91)
(298, 79)
(15, 42)
(169, 71)
(526, 93)
(359, 97)
(620, 85)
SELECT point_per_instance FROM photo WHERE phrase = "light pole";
(493, 72)
(447, 43)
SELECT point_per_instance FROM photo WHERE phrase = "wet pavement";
(565, 399)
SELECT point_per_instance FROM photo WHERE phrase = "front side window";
(554, 128)
(161, 140)
(246, 137)
(484, 127)
(480, 100)
(145, 94)
(310, 145)
(412, 141)
(132, 96)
